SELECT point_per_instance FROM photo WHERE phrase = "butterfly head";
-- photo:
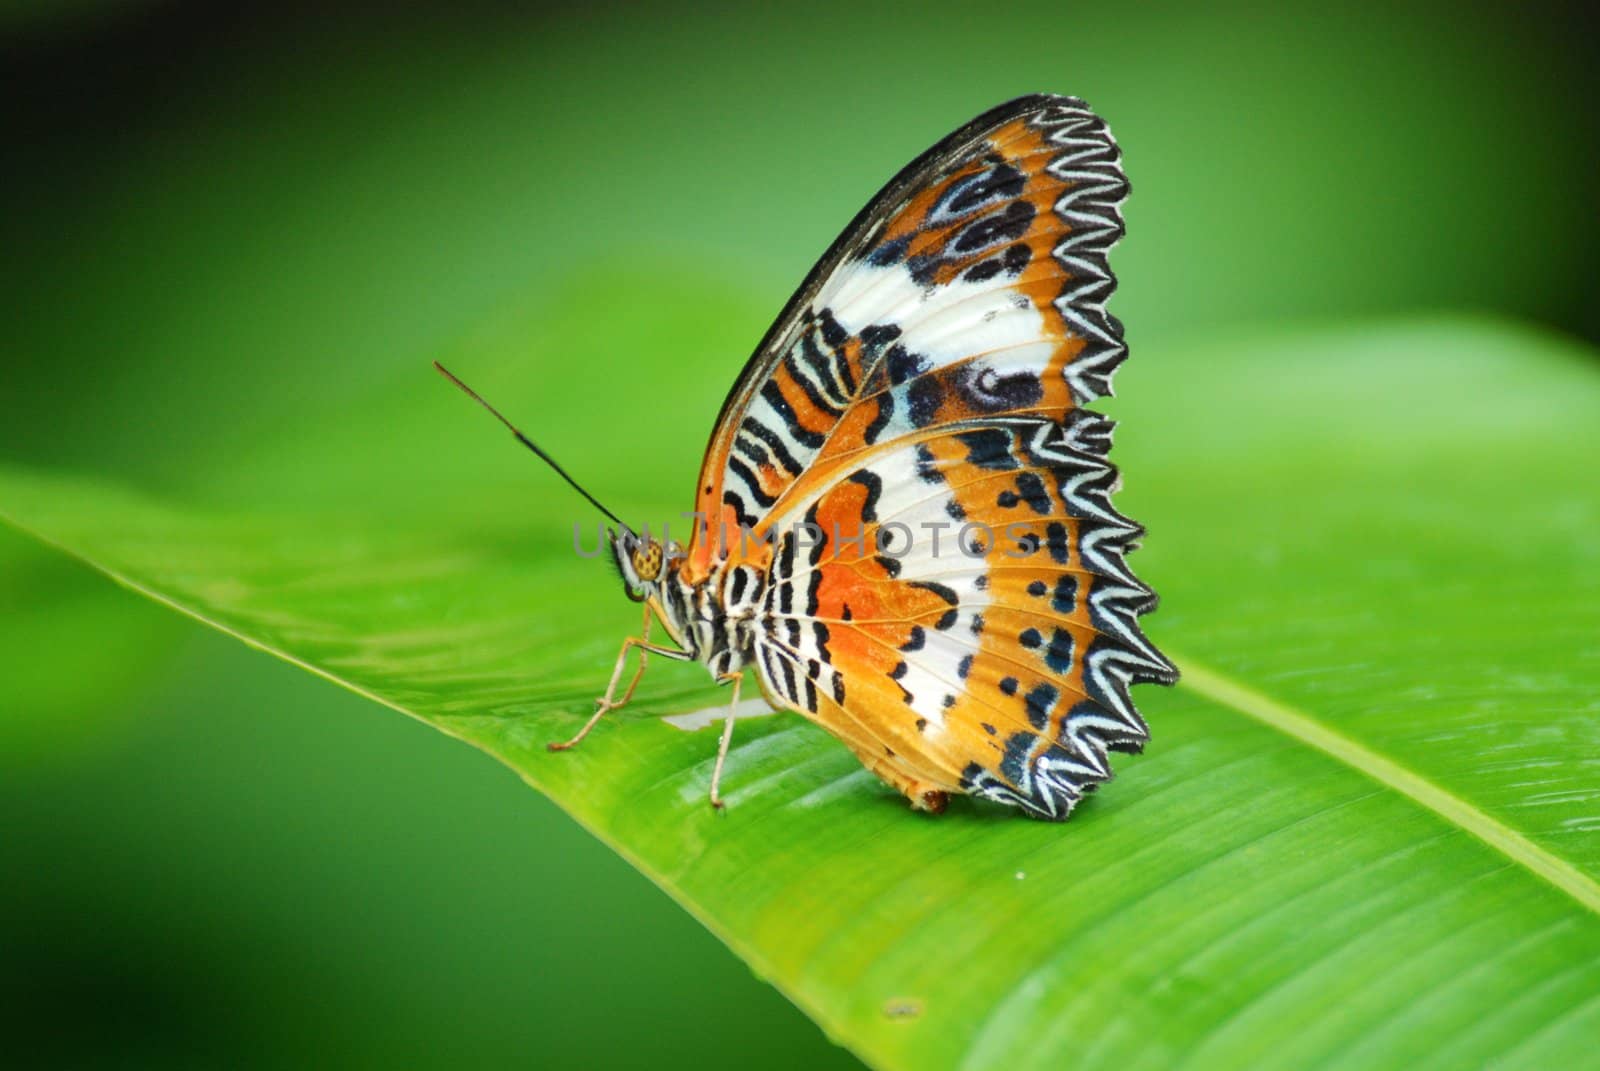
(643, 561)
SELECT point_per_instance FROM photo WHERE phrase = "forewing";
(971, 287)
(993, 660)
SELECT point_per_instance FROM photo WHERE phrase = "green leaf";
(60, 694)
(1366, 833)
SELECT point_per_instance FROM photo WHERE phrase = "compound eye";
(647, 561)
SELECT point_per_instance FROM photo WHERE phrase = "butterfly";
(904, 525)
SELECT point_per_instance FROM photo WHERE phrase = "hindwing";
(994, 660)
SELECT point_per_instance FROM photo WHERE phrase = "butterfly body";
(904, 517)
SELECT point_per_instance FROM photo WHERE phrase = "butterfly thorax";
(712, 616)
(713, 619)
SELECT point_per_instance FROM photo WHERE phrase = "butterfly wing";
(931, 371)
(959, 611)
(972, 285)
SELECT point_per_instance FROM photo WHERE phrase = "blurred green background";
(224, 229)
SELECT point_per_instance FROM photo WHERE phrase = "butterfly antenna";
(525, 441)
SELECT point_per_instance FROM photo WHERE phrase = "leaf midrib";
(1303, 727)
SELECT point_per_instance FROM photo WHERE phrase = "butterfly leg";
(727, 737)
(605, 704)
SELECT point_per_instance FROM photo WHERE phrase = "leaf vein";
(1452, 808)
